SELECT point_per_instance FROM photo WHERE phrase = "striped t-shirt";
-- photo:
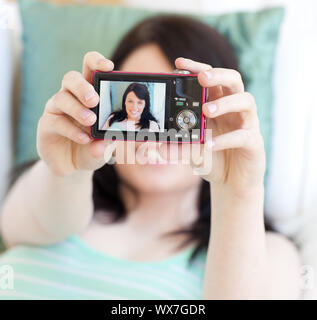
(73, 270)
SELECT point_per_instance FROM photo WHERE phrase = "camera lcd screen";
(148, 107)
(132, 105)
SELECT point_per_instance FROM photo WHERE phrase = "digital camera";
(164, 107)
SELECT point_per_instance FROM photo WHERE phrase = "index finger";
(191, 65)
(198, 67)
(93, 61)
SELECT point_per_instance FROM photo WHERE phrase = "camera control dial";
(186, 119)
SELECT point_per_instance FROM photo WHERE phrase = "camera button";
(186, 119)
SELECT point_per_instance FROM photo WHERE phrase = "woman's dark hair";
(177, 36)
(142, 92)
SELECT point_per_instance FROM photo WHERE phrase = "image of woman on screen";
(135, 113)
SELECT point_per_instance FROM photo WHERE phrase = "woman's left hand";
(238, 149)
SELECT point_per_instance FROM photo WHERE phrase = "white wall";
(208, 6)
(5, 98)
(159, 103)
(105, 103)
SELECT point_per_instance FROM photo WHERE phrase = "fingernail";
(105, 61)
(89, 95)
(210, 143)
(83, 137)
(212, 108)
(207, 74)
(86, 114)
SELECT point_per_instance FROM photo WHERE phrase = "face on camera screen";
(132, 106)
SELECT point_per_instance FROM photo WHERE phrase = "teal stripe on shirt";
(72, 270)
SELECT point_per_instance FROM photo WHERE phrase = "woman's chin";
(133, 117)
(159, 165)
(158, 178)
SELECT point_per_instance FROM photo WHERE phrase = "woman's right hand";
(63, 140)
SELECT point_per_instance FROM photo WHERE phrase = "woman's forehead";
(132, 95)
(147, 58)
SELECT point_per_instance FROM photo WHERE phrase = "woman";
(133, 227)
(135, 113)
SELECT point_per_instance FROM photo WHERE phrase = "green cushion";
(56, 37)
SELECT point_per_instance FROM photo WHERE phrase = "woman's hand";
(239, 157)
(63, 140)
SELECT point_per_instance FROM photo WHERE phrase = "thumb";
(94, 155)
